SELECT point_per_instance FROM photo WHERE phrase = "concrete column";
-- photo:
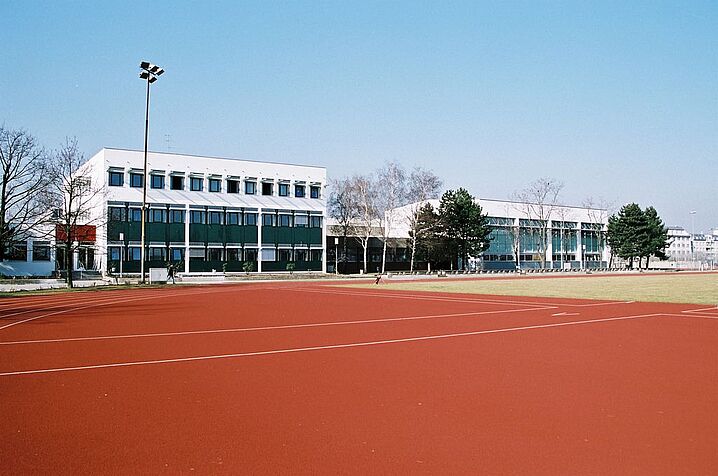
(186, 239)
(259, 240)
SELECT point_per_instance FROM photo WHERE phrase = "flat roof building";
(206, 214)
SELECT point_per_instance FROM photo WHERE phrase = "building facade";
(206, 214)
(576, 235)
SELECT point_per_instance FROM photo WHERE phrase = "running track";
(314, 379)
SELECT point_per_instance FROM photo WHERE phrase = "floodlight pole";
(144, 184)
(149, 72)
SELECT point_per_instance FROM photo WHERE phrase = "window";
(136, 180)
(285, 220)
(232, 218)
(176, 182)
(176, 216)
(157, 215)
(135, 214)
(234, 254)
(215, 218)
(315, 255)
(267, 188)
(133, 253)
(299, 191)
(268, 254)
(177, 254)
(157, 181)
(268, 219)
(300, 255)
(196, 216)
(316, 221)
(116, 179)
(196, 254)
(285, 255)
(250, 219)
(250, 188)
(215, 185)
(115, 253)
(157, 254)
(195, 184)
(283, 189)
(214, 254)
(232, 186)
(301, 221)
(314, 191)
(41, 251)
(116, 213)
(250, 254)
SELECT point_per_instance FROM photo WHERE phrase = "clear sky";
(617, 99)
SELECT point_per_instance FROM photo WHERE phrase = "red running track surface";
(315, 379)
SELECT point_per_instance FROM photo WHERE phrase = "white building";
(206, 213)
(577, 234)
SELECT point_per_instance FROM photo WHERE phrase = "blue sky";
(617, 99)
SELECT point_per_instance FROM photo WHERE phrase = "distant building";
(577, 240)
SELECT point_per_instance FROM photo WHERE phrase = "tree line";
(458, 230)
(41, 194)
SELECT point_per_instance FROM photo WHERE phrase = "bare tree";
(76, 202)
(537, 202)
(365, 193)
(390, 186)
(563, 235)
(599, 210)
(423, 185)
(23, 165)
(344, 209)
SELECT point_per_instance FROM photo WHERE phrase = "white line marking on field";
(323, 347)
(703, 309)
(100, 303)
(692, 316)
(565, 314)
(266, 328)
(508, 301)
(426, 297)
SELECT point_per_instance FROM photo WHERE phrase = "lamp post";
(149, 72)
(693, 234)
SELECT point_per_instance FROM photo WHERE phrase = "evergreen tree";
(463, 224)
(655, 236)
(431, 244)
(635, 233)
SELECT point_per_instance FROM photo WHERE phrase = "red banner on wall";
(84, 233)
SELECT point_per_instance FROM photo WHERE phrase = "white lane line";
(691, 316)
(100, 303)
(406, 295)
(266, 328)
(425, 297)
(565, 314)
(82, 296)
(712, 309)
(323, 347)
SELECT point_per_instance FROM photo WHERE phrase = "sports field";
(314, 378)
(696, 288)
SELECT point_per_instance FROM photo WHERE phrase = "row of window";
(18, 251)
(196, 184)
(133, 253)
(215, 217)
